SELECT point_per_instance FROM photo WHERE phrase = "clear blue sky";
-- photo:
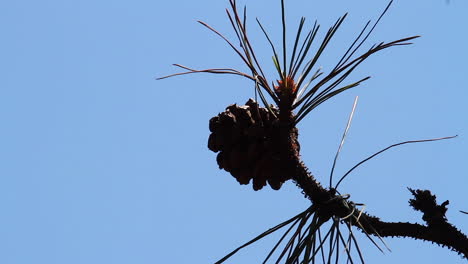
(101, 163)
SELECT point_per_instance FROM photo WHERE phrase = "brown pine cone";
(246, 139)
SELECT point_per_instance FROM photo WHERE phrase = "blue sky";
(101, 163)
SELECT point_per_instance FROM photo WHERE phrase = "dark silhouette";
(260, 144)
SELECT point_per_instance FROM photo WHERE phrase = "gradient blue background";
(101, 163)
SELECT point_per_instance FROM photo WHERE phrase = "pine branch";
(437, 229)
(261, 143)
(254, 144)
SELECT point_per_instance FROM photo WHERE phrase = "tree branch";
(437, 230)
(254, 144)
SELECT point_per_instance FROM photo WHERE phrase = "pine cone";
(246, 138)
